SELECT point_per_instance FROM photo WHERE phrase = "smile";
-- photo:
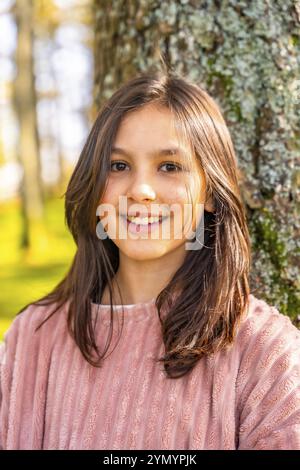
(143, 224)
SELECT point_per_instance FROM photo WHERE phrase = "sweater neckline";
(133, 312)
(130, 306)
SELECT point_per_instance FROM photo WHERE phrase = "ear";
(209, 206)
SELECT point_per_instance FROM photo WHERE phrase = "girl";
(163, 251)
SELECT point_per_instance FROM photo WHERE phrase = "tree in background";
(40, 86)
(247, 55)
(25, 104)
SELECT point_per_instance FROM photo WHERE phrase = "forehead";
(150, 125)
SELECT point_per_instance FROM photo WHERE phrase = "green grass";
(26, 276)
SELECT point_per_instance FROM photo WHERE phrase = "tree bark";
(246, 55)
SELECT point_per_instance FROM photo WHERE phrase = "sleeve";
(268, 385)
(2, 362)
(7, 363)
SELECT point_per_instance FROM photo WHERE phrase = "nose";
(141, 191)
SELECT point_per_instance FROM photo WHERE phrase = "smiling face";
(149, 172)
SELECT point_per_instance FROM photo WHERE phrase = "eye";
(172, 167)
(119, 165)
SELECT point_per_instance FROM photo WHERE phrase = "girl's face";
(153, 180)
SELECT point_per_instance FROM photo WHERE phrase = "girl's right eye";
(119, 165)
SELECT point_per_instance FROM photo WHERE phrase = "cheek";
(111, 194)
(177, 193)
(190, 192)
(185, 197)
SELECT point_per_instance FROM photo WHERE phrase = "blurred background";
(46, 82)
(60, 59)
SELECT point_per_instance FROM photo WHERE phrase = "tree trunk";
(25, 105)
(246, 54)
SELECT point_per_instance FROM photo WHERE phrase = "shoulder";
(26, 331)
(267, 340)
(34, 314)
(263, 322)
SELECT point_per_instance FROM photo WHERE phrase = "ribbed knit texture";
(247, 397)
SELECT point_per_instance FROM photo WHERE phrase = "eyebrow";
(173, 151)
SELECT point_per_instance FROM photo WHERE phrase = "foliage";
(26, 276)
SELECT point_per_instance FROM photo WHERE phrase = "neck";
(142, 280)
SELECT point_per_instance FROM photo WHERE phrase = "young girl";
(153, 340)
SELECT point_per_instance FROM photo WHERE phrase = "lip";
(138, 214)
(143, 228)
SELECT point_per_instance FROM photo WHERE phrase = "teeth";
(143, 220)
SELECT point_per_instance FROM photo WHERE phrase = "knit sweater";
(245, 397)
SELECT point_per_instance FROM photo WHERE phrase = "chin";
(143, 250)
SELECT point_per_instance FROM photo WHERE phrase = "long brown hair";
(212, 281)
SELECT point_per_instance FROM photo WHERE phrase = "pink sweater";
(245, 398)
